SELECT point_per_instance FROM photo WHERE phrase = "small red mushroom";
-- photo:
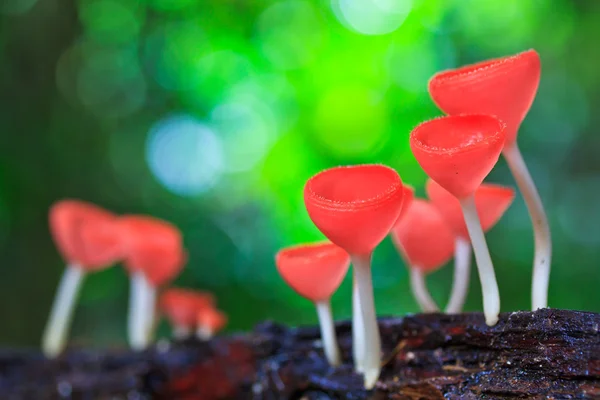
(504, 87)
(427, 242)
(355, 207)
(181, 308)
(88, 240)
(209, 322)
(315, 271)
(491, 201)
(154, 255)
(458, 152)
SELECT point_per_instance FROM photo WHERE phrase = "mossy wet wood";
(546, 354)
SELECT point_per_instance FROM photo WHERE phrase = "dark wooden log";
(546, 354)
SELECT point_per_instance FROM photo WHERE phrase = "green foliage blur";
(212, 115)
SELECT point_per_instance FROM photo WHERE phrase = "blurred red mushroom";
(209, 321)
(355, 207)
(504, 87)
(88, 240)
(491, 202)
(458, 152)
(427, 242)
(315, 271)
(181, 308)
(154, 255)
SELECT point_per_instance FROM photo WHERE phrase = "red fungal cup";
(181, 307)
(355, 206)
(427, 243)
(85, 234)
(424, 236)
(315, 271)
(458, 152)
(209, 322)
(504, 87)
(491, 201)
(409, 195)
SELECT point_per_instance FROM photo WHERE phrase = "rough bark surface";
(545, 354)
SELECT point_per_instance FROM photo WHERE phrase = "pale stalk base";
(330, 345)
(462, 273)
(204, 333)
(142, 300)
(358, 331)
(487, 276)
(372, 340)
(420, 292)
(61, 314)
(541, 229)
(181, 332)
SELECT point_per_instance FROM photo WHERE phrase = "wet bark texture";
(547, 354)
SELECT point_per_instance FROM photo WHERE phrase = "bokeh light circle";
(372, 17)
(245, 131)
(184, 155)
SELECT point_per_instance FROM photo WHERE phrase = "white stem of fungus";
(358, 331)
(372, 340)
(489, 286)
(330, 345)
(462, 272)
(541, 229)
(419, 289)
(55, 334)
(142, 298)
(181, 332)
(202, 333)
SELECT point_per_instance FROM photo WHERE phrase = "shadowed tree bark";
(546, 354)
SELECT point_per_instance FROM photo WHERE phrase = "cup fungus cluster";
(356, 207)
(91, 239)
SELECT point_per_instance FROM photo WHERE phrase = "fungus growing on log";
(154, 255)
(181, 308)
(88, 240)
(458, 152)
(315, 271)
(504, 87)
(356, 207)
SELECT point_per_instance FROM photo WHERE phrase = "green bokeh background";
(212, 115)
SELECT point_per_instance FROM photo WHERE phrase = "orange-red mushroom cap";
(85, 234)
(458, 151)
(424, 237)
(181, 306)
(356, 206)
(491, 202)
(314, 271)
(504, 87)
(152, 246)
(211, 318)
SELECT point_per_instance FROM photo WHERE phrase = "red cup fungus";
(181, 308)
(87, 238)
(458, 152)
(427, 243)
(315, 271)
(209, 322)
(153, 256)
(355, 207)
(504, 87)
